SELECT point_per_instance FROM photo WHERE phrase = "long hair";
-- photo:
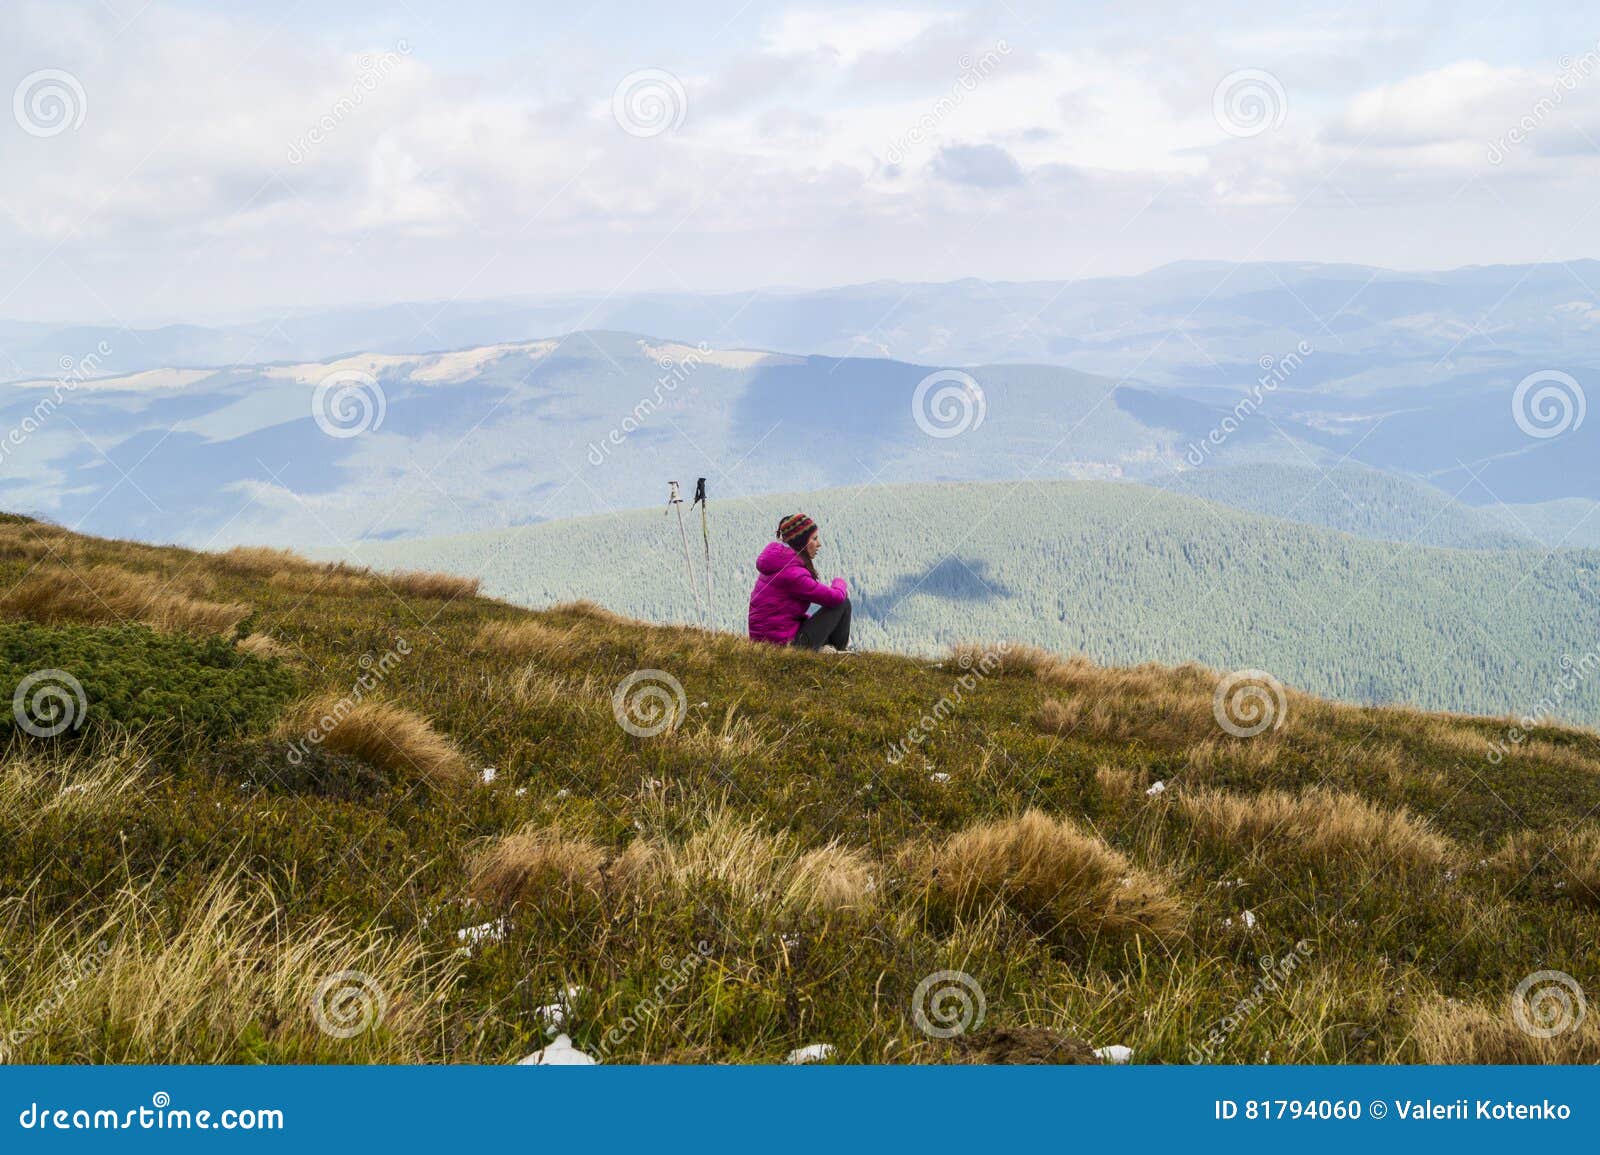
(799, 548)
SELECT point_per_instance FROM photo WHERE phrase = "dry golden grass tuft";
(1165, 719)
(1153, 704)
(105, 594)
(737, 861)
(1086, 718)
(735, 736)
(1573, 857)
(421, 584)
(1322, 825)
(265, 646)
(1206, 759)
(1003, 658)
(383, 735)
(1078, 674)
(1451, 1031)
(131, 984)
(537, 689)
(1532, 747)
(262, 561)
(1067, 882)
(521, 638)
(593, 611)
(1118, 781)
(92, 780)
(534, 865)
(331, 581)
(36, 541)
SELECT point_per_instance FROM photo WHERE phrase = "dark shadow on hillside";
(832, 411)
(954, 579)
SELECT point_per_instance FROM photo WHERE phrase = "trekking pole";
(705, 534)
(675, 501)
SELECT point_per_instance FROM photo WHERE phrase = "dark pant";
(829, 626)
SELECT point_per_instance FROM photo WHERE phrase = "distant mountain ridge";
(381, 445)
(1120, 325)
(553, 427)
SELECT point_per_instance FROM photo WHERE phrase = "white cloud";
(225, 164)
(845, 35)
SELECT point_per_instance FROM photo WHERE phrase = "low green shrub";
(137, 678)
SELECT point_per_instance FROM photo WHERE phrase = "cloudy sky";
(209, 161)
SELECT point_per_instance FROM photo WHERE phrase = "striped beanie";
(795, 529)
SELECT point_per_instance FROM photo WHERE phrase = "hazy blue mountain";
(1125, 573)
(1196, 325)
(518, 433)
(514, 433)
(1195, 366)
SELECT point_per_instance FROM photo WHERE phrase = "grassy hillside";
(1120, 572)
(277, 811)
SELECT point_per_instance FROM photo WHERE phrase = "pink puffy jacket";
(784, 591)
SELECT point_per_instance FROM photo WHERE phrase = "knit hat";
(794, 529)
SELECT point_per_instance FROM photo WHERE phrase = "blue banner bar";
(659, 1109)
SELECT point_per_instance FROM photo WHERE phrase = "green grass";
(760, 874)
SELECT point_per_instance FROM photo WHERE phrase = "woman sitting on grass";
(787, 585)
